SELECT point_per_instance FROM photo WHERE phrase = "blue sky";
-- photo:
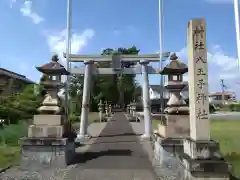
(32, 30)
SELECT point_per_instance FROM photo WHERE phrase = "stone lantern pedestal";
(174, 126)
(50, 141)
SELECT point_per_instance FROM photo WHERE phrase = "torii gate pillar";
(85, 101)
(146, 101)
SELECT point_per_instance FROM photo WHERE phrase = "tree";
(112, 88)
(75, 93)
(20, 105)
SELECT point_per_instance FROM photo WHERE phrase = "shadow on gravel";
(115, 135)
(110, 142)
(88, 156)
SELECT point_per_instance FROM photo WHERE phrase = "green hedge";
(231, 107)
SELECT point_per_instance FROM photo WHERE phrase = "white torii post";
(146, 101)
(116, 61)
(85, 100)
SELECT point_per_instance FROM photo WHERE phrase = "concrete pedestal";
(167, 162)
(203, 160)
(39, 153)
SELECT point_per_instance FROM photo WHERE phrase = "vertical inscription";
(198, 80)
(200, 70)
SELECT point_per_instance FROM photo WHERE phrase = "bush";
(231, 107)
(74, 118)
(12, 133)
(19, 106)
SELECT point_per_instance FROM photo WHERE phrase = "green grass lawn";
(92, 117)
(227, 133)
(9, 148)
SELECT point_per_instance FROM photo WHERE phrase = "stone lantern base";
(50, 143)
(39, 153)
(174, 126)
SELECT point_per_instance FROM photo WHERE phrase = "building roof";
(221, 93)
(14, 75)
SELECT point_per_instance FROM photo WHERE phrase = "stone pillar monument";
(50, 141)
(85, 101)
(146, 101)
(176, 123)
(100, 108)
(202, 158)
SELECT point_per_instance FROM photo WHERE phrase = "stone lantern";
(100, 108)
(134, 108)
(176, 123)
(52, 83)
(106, 109)
(51, 133)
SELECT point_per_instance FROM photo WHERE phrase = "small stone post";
(106, 109)
(146, 101)
(110, 109)
(100, 108)
(201, 153)
(130, 109)
(134, 109)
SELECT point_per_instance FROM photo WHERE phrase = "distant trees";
(114, 88)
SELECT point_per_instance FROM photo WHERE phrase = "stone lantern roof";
(53, 68)
(174, 67)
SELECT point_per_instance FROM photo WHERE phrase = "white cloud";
(220, 66)
(57, 41)
(220, 1)
(227, 66)
(27, 11)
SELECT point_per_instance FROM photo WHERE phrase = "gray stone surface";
(16, 173)
(115, 154)
(37, 157)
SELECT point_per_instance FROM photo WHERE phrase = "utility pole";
(161, 19)
(68, 51)
(223, 87)
(236, 15)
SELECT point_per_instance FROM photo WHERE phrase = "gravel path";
(116, 154)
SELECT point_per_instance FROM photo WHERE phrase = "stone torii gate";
(143, 68)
